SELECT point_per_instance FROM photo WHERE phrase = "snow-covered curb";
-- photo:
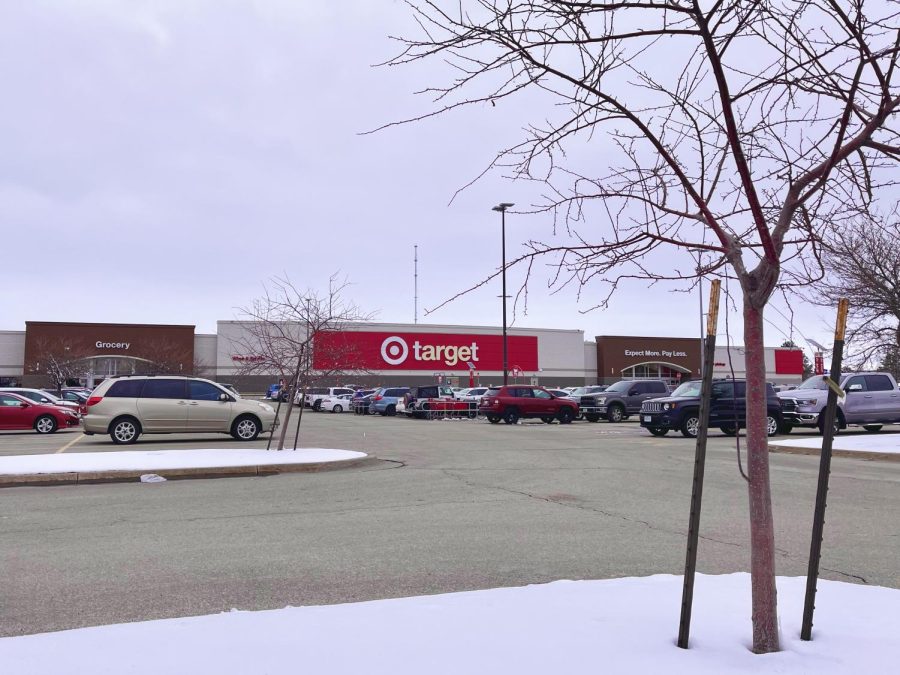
(882, 444)
(613, 626)
(113, 465)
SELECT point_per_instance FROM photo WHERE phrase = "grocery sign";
(421, 351)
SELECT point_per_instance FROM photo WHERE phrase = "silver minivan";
(127, 407)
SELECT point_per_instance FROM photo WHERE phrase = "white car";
(472, 395)
(336, 404)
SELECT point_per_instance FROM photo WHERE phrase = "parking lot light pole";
(502, 209)
(699, 252)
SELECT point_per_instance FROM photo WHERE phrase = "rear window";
(492, 392)
(396, 392)
(879, 383)
(126, 389)
(317, 390)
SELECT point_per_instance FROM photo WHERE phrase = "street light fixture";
(502, 209)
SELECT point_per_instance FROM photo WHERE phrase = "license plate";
(647, 418)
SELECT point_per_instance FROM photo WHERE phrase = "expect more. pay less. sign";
(354, 350)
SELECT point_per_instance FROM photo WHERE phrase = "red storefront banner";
(435, 352)
(788, 362)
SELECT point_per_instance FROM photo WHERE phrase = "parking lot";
(452, 506)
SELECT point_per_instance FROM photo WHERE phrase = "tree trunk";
(762, 529)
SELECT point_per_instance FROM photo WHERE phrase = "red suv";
(514, 401)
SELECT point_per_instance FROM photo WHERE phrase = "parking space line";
(70, 444)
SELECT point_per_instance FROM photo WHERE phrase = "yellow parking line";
(70, 444)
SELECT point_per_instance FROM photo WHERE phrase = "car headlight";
(669, 406)
(807, 401)
(267, 407)
(601, 400)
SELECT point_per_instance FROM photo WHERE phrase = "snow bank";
(614, 626)
(160, 460)
(886, 443)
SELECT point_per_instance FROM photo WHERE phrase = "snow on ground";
(159, 460)
(614, 626)
(886, 443)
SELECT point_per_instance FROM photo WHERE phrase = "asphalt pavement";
(452, 506)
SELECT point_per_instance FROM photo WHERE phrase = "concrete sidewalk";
(103, 467)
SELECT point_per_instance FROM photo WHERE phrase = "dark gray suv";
(625, 398)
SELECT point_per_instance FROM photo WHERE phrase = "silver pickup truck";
(869, 400)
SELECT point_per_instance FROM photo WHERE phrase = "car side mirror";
(223, 397)
(633, 392)
(23, 404)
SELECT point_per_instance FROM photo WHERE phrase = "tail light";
(377, 398)
(93, 400)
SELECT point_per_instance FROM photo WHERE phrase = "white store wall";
(12, 353)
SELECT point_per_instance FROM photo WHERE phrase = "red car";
(514, 401)
(18, 412)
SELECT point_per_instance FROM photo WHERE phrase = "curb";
(93, 477)
(846, 454)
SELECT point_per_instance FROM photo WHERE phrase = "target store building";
(410, 354)
(370, 354)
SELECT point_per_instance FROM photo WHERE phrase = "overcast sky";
(161, 159)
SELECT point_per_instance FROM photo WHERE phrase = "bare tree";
(59, 361)
(281, 336)
(743, 128)
(863, 264)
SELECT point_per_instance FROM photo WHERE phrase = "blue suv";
(727, 409)
(385, 400)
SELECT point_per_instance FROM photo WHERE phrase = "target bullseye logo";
(394, 350)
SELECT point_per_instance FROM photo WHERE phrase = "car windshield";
(620, 387)
(579, 391)
(691, 388)
(814, 382)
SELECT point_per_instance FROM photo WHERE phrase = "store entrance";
(670, 373)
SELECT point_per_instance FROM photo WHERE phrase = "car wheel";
(124, 431)
(773, 424)
(592, 417)
(690, 425)
(616, 413)
(547, 420)
(45, 424)
(511, 416)
(872, 427)
(246, 428)
(337, 408)
(657, 431)
(837, 423)
(317, 405)
(786, 428)
(566, 416)
(390, 411)
(493, 419)
(728, 431)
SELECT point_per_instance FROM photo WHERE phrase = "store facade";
(677, 360)
(629, 357)
(373, 354)
(87, 353)
(367, 354)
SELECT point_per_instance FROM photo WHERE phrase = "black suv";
(727, 410)
(623, 398)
